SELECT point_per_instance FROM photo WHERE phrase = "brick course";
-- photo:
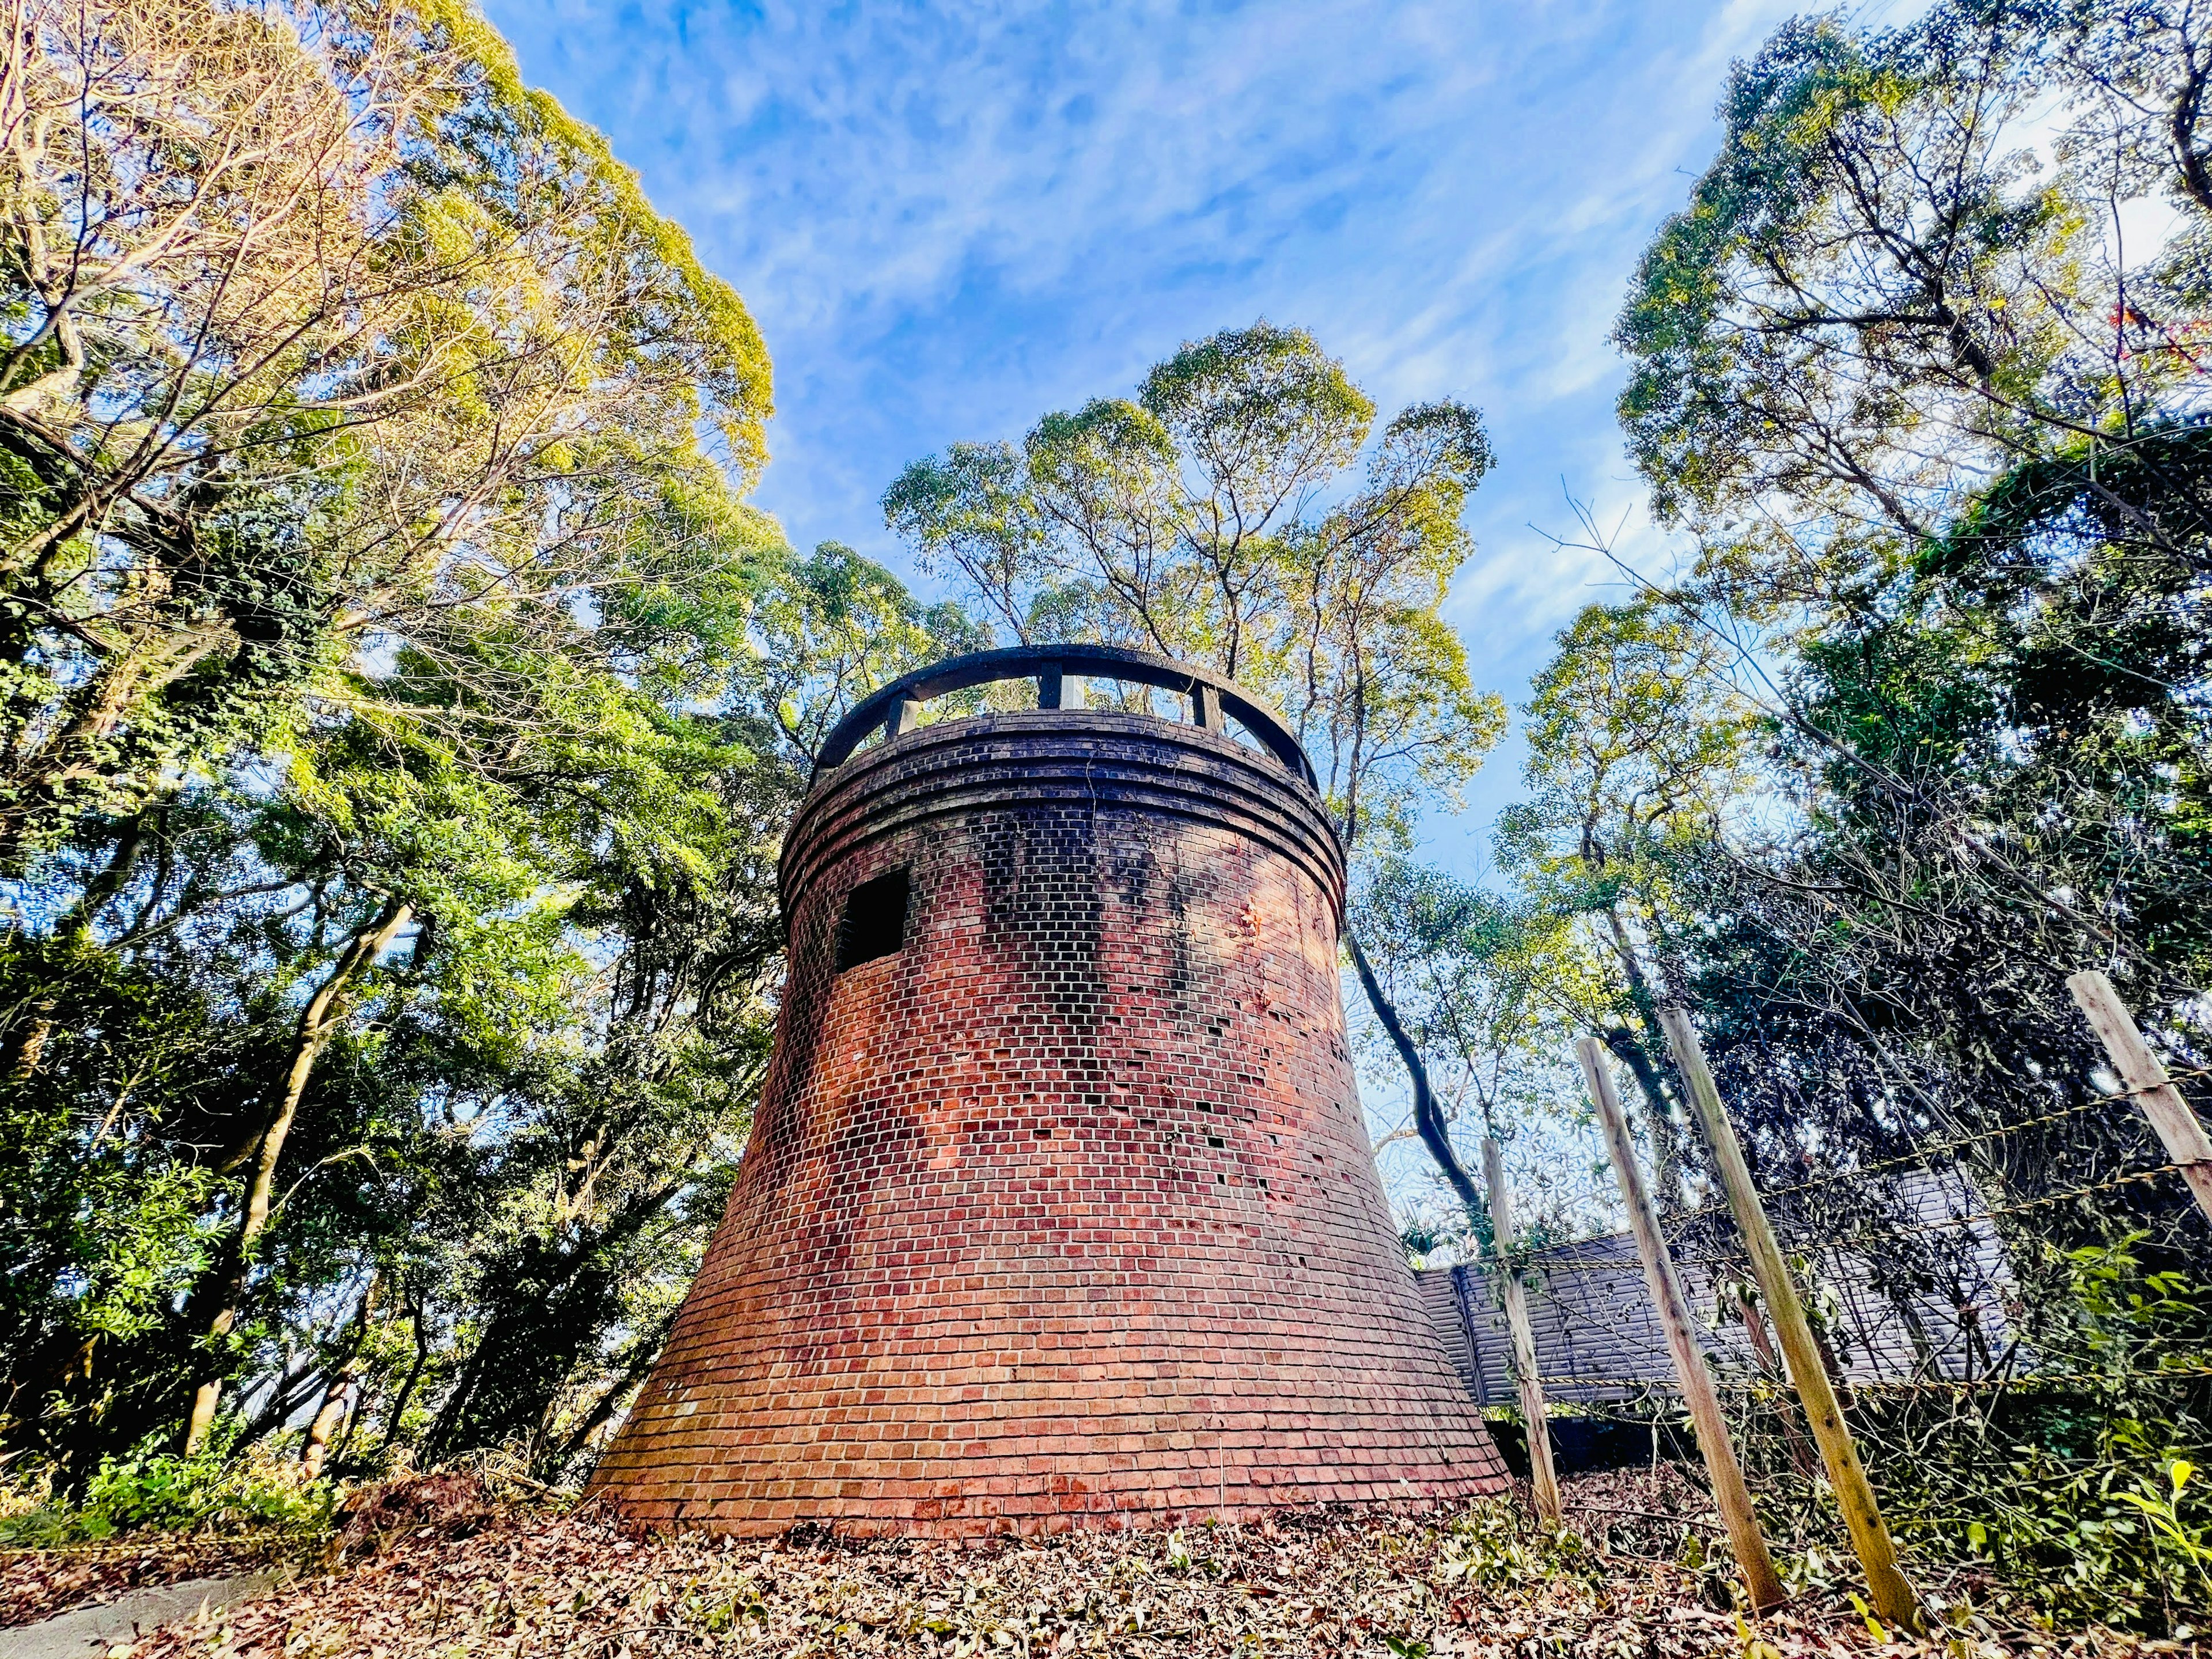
(1062, 1214)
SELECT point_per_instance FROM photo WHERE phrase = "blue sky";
(950, 219)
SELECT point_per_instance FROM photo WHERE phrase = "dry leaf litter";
(440, 1566)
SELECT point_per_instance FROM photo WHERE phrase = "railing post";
(1061, 673)
(905, 715)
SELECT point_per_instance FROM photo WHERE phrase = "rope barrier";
(1919, 1156)
(1871, 1234)
(1922, 1155)
(2133, 1178)
(1928, 1385)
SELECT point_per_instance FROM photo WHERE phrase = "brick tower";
(1059, 1208)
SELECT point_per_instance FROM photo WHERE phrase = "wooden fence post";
(1542, 1478)
(1761, 1583)
(2142, 1075)
(1891, 1592)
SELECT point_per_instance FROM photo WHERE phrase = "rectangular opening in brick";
(875, 921)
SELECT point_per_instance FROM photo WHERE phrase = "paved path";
(87, 1632)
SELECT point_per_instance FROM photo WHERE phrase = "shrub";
(160, 1490)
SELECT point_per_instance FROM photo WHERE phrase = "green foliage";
(1485, 987)
(335, 331)
(2074, 1499)
(839, 625)
(2096, 1507)
(1491, 1544)
(403, 708)
(1861, 294)
(1188, 522)
(1636, 744)
(149, 1490)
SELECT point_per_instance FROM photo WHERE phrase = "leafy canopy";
(1216, 517)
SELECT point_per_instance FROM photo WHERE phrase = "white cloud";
(949, 218)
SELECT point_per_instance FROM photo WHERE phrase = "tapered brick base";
(1063, 1213)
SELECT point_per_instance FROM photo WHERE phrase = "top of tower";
(1214, 698)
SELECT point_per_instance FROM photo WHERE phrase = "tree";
(1639, 745)
(838, 627)
(1922, 731)
(2001, 774)
(1490, 994)
(522, 1124)
(1197, 521)
(1932, 410)
(1934, 416)
(320, 326)
(341, 369)
(1880, 299)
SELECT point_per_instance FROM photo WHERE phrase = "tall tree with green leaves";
(1216, 518)
(1895, 285)
(320, 329)
(1912, 371)
(1639, 745)
(1491, 990)
(403, 708)
(496, 1173)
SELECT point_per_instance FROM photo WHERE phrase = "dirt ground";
(441, 1568)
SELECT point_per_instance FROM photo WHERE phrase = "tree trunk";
(342, 1393)
(33, 1048)
(319, 1023)
(1802, 1458)
(549, 1306)
(338, 1404)
(39, 778)
(580, 1437)
(418, 1313)
(105, 883)
(1636, 1052)
(1427, 1119)
(2181, 128)
(300, 1383)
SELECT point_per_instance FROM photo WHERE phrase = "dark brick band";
(1125, 763)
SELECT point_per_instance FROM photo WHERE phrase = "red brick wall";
(1064, 1214)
